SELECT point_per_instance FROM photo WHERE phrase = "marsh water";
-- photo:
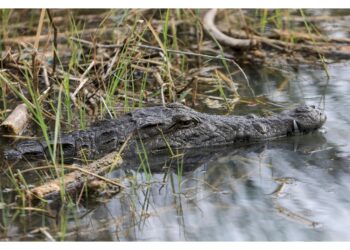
(296, 188)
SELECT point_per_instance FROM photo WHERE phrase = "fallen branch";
(283, 34)
(329, 51)
(317, 18)
(61, 37)
(17, 121)
(74, 181)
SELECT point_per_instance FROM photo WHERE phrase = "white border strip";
(177, 245)
(174, 4)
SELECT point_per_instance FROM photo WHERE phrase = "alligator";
(172, 126)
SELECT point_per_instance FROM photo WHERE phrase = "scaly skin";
(174, 126)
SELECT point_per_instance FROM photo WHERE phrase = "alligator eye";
(184, 124)
(184, 121)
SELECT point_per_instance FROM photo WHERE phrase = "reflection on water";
(289, 189)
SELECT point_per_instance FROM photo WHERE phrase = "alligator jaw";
(30, 150)
(307, 119)
(295, 127)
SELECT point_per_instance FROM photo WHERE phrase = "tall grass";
(67, 99)
(263, 19)
(3, 94)
(143, 90)
(167, 60)
(5, 17)
(17, 185)
(165, 32)
(120, 73)
(222, 92)
(272, 17)
(82, 117)
(77, 58)
(180, 169)
(144, 163)
(4, 219)
(309, 30)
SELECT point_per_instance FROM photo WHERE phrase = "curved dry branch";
(209, 25)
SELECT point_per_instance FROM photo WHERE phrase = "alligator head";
(177, 126)
(306, 118)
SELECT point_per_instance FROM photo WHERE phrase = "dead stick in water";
(74, 181)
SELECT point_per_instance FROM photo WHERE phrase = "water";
(290, 189)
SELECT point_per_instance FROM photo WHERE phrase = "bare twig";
(302, 36)
(35, 67)
(61, 37)
(44, 231)
(111, 64)
(162, 85)
(46, 77)
(83, 81)
(54, 42)
(38, 31)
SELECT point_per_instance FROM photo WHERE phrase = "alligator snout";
(31, 150)
(319, 115)
(12, 155)
(308, 118)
